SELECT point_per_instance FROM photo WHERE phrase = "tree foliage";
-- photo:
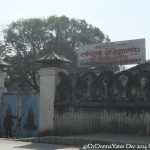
(28, 39)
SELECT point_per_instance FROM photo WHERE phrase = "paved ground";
(123, 142)
(100, 138)
(117, 138)
(6, 144)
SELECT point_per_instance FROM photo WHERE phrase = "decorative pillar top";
(3, 65)
(53, 60)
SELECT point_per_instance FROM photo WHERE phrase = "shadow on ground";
(40, 146)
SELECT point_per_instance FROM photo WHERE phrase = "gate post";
(48, 83)
(2, 79)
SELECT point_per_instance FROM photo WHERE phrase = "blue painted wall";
(20, 106)
(27, 103)
(8, 101)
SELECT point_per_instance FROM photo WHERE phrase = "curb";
(74, 141)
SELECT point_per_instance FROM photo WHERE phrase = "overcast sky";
(119, 19)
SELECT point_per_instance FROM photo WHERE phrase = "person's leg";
(10, 132)
(6, 131)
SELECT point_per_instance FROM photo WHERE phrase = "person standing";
(8, 123)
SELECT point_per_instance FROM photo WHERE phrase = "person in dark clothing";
(8, 123)
(30, 120)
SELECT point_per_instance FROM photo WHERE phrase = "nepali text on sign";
(114, 53)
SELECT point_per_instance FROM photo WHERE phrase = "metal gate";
(20, 106)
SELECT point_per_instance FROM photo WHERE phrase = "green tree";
(28, 39)
(24, 39)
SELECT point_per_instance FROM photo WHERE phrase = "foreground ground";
(6, 144)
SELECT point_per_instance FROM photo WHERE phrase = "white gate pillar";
(48, 83)
(2, 78)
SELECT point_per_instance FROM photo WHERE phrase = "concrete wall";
(121, 117)
(112, 103)
(81, 105)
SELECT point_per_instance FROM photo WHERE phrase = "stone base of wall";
(119, 117)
